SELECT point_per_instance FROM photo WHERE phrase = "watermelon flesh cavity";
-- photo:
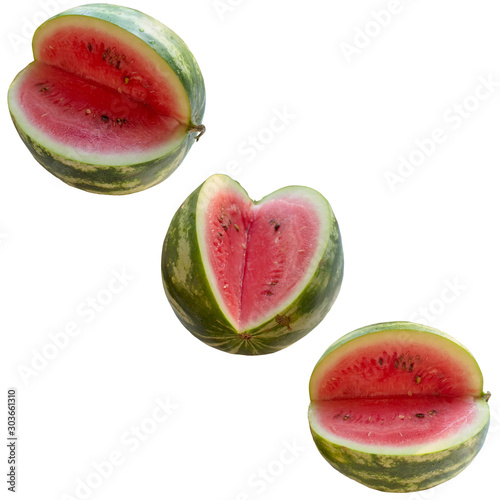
(398, 390)
(93, 90)
(398, 364)
(259, 254)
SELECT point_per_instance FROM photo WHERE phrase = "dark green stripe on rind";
(188, 290)
(167, 44)
(117, 180)
(401, 473)
(184, 278)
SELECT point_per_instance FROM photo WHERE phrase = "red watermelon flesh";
(398, 422)
(404, 368)
(100, 89)
(410, 390)
(56, 101)
(259, 253)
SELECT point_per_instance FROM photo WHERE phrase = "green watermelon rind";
(115, 180)
(401, 473)
(190, 295)
(129, 178)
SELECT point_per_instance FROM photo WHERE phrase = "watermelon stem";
(200, 128)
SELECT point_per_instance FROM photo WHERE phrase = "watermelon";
(398, 406)
(112, 102)
(252, 278)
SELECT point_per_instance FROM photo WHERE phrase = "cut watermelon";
(252, 278)
(113, 100)
(398, 406)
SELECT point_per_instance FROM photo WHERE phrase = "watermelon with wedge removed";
(252, 278)
(398, 406)
(112, 102)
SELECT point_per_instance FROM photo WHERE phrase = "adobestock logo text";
(21, 37)
(85, 313)
(453, 118)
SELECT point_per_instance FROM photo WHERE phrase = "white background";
(434, 235)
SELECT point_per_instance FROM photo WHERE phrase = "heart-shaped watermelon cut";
(252, 277)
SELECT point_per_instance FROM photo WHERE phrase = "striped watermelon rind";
(401, 473)
(392, 471)
(102, 177)
(112, 180)
(192, 299)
